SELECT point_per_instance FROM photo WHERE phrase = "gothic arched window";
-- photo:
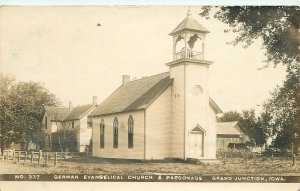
(102, 130)
(115, 133)
(130, 131)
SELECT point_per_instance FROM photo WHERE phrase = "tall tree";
(284, 109)
(22, 108)
(277, 26)
(7, 135)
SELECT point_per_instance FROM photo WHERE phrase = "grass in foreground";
(105, 166)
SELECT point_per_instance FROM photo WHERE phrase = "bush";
(233, 153)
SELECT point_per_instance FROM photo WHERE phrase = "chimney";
(70, 105)
(94, 100)
(125, 78)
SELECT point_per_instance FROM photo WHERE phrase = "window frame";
(115, 133)
(130, 131)
(102, 134)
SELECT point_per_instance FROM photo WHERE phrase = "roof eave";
(215, 106)
(126, 111)
(88, 110)
(229, 133)
(162, 91)
(188, 29)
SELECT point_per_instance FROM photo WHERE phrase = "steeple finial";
(189, 12)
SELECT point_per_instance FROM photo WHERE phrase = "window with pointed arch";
(130, 132)
(115, 132)
(102, 130)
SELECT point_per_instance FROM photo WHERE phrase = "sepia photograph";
(150, 94)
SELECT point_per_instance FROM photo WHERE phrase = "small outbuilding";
(230, 132)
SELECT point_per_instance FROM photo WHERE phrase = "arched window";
(130, 132)
(115, 132)
(102, 130)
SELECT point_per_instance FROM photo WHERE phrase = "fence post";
(25, 156)
(292, 149)
(40, 156)
(14, 153)
(31, 160)
(272, 157)
(294, 158)
(46, 159)
(3, 155)
(19, 156)
(55, 159)
(224, 157)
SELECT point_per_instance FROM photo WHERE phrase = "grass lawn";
(89, 165)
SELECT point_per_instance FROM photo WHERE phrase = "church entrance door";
(196, 145)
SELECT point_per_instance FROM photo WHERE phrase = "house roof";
(66, 114)
(78, 112)
(133, 95)
(189, 24)
(228, 128)
(138, 94)
(56, 113)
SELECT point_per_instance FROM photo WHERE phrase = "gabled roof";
(189, 24)
(215, 106)
(228, 128)
(66, 114)
(138, 94)
(56, 113)
(133, 95)
(78, 112)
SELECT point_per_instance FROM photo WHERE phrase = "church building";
(168, 115)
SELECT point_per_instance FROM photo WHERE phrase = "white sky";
(63, 48)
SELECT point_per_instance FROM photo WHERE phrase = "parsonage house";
(67, 128)
(168, 115)
(230, 132)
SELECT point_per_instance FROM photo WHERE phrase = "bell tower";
(190, 34)
(192, 135)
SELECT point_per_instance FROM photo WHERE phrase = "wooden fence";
(46, 158)
(256, 157)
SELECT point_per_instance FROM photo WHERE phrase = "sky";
(63, 48)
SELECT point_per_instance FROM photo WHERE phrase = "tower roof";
(189, 24)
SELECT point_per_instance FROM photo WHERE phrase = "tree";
(277, 26)
(229, 116)
(279, 29)
(284, 109)
(7, 134)
(22, 108)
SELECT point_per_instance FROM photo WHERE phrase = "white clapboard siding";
(137, 152)
(210, 146)
(158, 127)
(177, 111)
(197, 105)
